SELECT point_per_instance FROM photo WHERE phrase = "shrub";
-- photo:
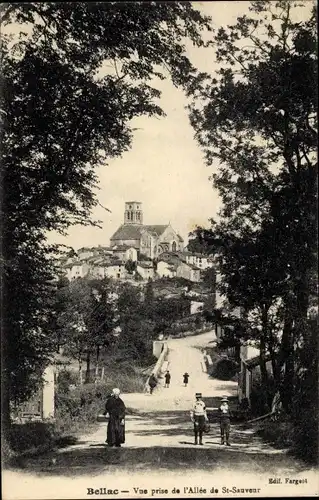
(261, 398)
(78, 409)
(66, 378)
(278, 433)
(225, 369)
(305, 416)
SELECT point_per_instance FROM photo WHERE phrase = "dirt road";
(159, 452)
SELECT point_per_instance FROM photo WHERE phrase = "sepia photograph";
(159, 262)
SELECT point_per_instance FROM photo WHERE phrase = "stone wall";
(159, 365)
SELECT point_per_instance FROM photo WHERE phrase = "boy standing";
(199, 417)
(224, 420)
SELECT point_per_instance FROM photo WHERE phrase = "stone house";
(145, 270)
(125, 253)
(115, 270)
(199, 260)
(188, 272)
(77, 269)
(166, 269)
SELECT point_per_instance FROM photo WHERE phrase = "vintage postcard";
(159, 250)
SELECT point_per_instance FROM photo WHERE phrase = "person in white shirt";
(199, 417)
(224, 420)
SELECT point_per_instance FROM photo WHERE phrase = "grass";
(76, 411)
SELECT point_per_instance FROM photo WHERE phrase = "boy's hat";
(225, 399)
(198, 395)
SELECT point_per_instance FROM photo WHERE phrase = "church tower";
(133, 213)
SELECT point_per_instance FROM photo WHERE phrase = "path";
(159, 440)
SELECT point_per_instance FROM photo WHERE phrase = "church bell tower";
(133, 213)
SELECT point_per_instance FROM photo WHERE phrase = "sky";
(164, 169)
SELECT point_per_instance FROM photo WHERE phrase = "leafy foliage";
(74, 75)
(256, 122)
(88, 319)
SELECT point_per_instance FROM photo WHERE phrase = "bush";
(260, 398)
(225, 369)
(31, 435)
(27, 438)
(279, 434)
(305, 416)
(66, 378)
(78, 409)
(305, 445)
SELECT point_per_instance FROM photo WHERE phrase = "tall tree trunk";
(80, 370)
(262, 357)
(5, 379)
(284, 363)
(97, 362)
(263, 372)
(88, 367)
(274, 365)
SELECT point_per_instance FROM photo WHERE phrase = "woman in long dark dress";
(115, 408)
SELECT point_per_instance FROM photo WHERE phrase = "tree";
(73, 78)
(130, 266)
(257, 119)
(209, 278)
(167, 311)
(88, 320)
(136, 327)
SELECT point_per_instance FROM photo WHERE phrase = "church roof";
(128, 232)
(133, 231)
(158, 229)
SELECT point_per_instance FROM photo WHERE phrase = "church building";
(148, 240)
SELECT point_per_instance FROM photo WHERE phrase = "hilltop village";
(138, 253)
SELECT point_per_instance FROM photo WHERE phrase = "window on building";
(174, 247)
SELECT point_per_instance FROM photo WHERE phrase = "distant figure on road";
(152, 383)
(115, 408)
(167, 378)
(224, 420)
(199, 417)
(185, 379)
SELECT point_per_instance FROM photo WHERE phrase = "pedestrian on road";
(167, 378)
(224, 420)
(185, 379)
(199, 417)
(152, 383)
(115, 408)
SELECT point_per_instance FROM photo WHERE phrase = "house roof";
(191, 266)
(85, 249)
(180, 238)
(120, 248)
(253, 362)
(145, 265)
(115, 263)
(78, 263)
